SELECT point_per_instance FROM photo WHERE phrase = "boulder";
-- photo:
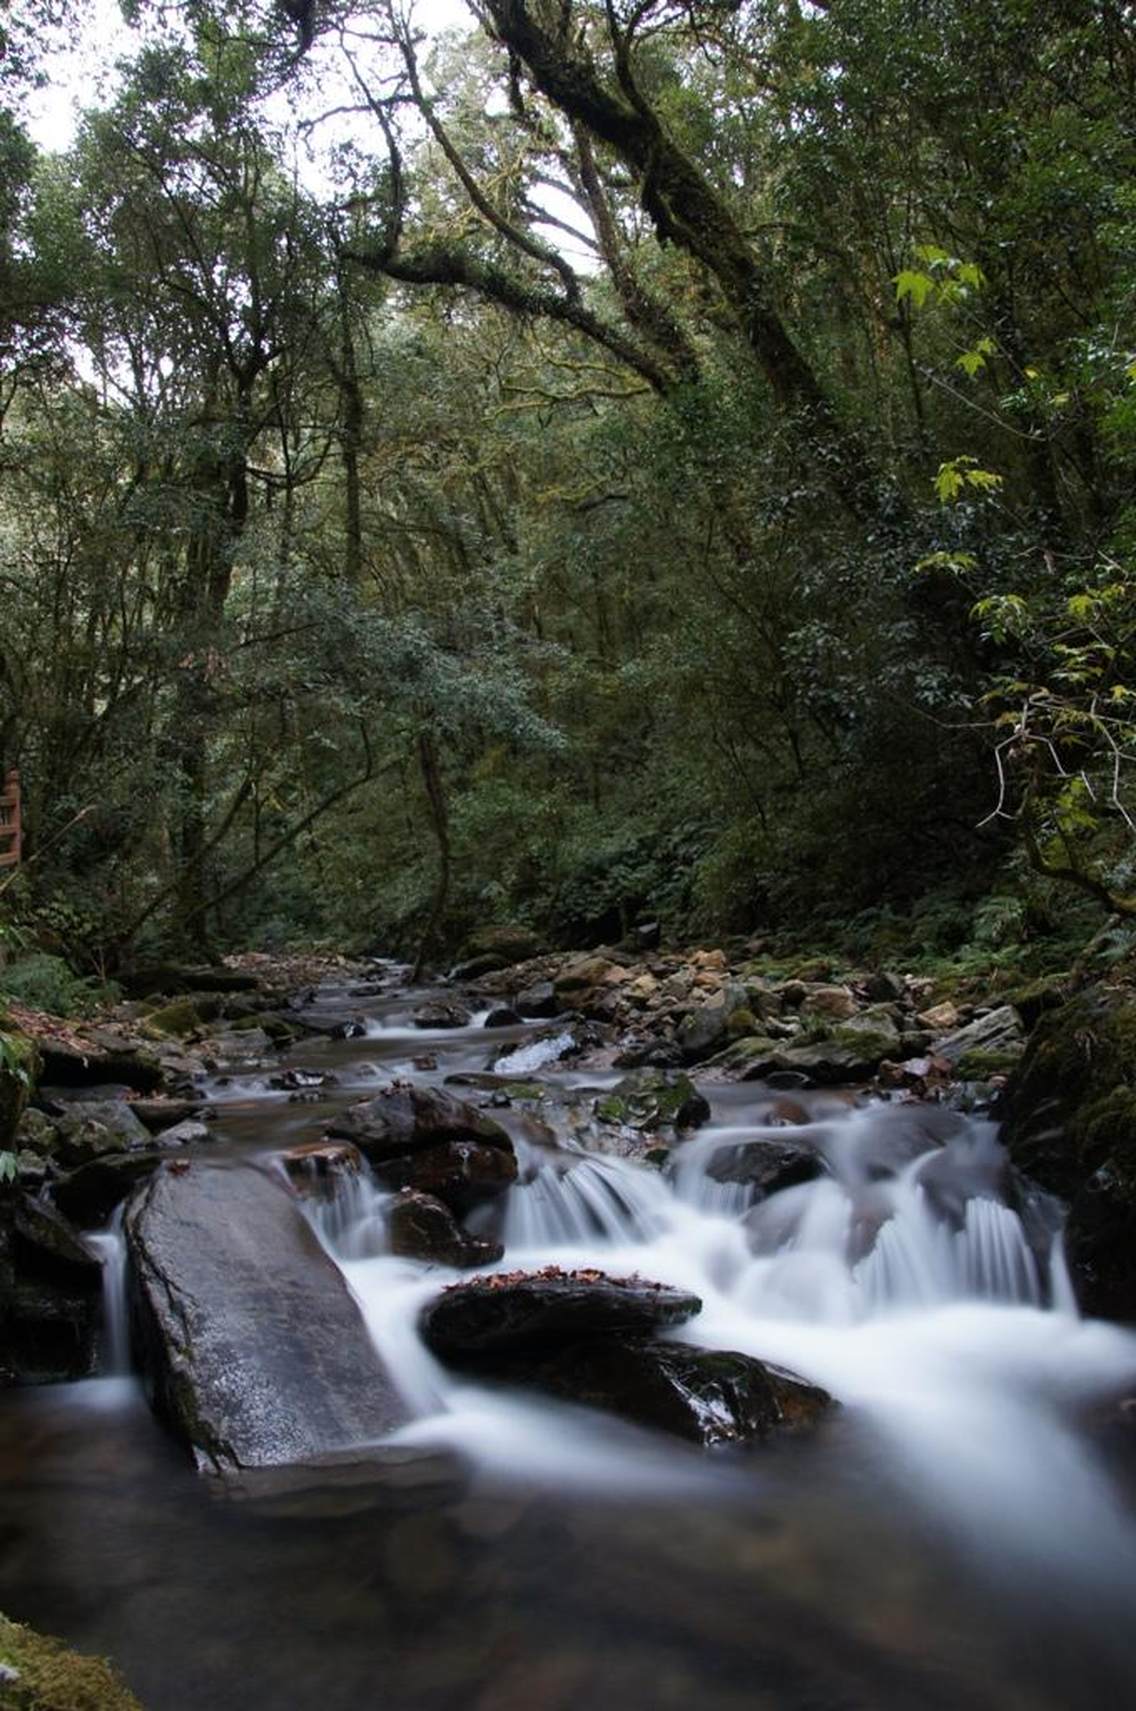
(708, 1396)
(998, 1031)
(538, 1002)
(249, 1340)
(503, 1017)
(404, 1119)
(96, 1127)
(653, 1099)
(460, 1173)
(442, 1015)
(1069, 1123)
(158, 1114)
(423, 1228)
(90, 1194)
(50, 1295)
(766, 1166)
(707, 1029)
(576, 985)
(102, 1056)
(516, 1312)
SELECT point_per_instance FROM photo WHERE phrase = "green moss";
(979, 1065)
(51, 1678)
(19, 1067)
(741, 1023)
(176, 1020)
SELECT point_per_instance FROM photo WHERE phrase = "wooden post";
(11, 825)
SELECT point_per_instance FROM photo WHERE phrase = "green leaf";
(917, 286)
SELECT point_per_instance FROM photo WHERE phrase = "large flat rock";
(249, 1339)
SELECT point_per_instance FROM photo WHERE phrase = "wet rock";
(538, 1002)
(191, 1133)
(232, 1049)
(90, 1194)
(460, 1173)
(404, 1119)
(157, 1114)
(319, 1163)
(303, 1080)
(442, 1015)
(521, 1311)
(423, 1228)
(708, 1396)
(93, 1128)
(36, 1133)
(251, 1344)
(766, 1166)
(652, 1054)
(1070, 1124)
(503, 1017)
(50, 1292)
(649, 1099)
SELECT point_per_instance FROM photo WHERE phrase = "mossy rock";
(980, 1065)
(741, 1023)
(51, 1678)
(1070, 1124)
(648, 1099)
(1037, 996)
(506, 945)
(175, 1021)
(19, 1070)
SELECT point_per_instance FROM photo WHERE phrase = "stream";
(960, 1534)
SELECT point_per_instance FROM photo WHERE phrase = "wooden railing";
(11, 825)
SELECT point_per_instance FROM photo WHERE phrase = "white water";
(918, 1304)
(110, 1246)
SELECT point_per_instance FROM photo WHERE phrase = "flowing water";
(960, 1534)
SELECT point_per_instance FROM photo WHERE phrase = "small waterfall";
(110, 1246)
(345, 1209)
(567, 1200)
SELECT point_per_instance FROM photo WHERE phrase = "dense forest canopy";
(594, 462)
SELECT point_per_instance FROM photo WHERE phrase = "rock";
(507, 945)
(303, 1080)
(538, 1002)
(157, 1114)
(250, 1342)
(101, 1056)
(90, 1194)
(460, 1173)
(502, 1017)
(708, 1396)
(40, 1674)
(576, 985)
(171, 978)
(836, 1003)
(513, 1312)
(423, 1228)
(707, 1029)
(404, 1119)
(182, 1018)
(95, 1127)
(442, 1015)
(1069, 1123)
(191, 1133)
(940, 1019)
(999, 1030)
(652, 1100)
(885, 988)
(36, 1133)
(318, 1165)
(657, 1054)
(709, 959)
(750, 1059)
(231, 1048)
(766, 1165)
(50, 1295)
